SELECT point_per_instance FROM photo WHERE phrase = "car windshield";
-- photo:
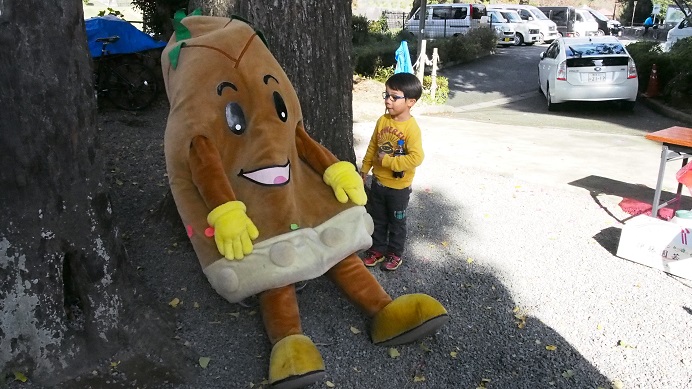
(586, 16)
(593, 48)
(598, 15)
(538, 14)
(513, 17)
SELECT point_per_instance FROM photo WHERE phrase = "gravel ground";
(525, 267)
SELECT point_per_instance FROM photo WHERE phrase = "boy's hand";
(343, 178)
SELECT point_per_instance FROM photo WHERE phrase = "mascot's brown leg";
(406, 319)
(295, 361)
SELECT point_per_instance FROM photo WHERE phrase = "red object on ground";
(652, 87)
(636, 207)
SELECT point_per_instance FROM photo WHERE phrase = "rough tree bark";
(67, 295)
(311, 39)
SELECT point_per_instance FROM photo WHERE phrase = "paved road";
(503, 89)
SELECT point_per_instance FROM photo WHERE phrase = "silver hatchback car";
(596, 68)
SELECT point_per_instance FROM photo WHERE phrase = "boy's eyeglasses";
(386, 96)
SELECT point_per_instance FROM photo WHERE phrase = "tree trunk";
(67, 295)
(311, 40)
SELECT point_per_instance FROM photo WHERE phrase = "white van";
(504, 29)
(586, 24)
(548, 28)
(680, 31)
(446, 20)
(527, 32)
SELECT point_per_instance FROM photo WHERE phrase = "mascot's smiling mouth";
(276, 175)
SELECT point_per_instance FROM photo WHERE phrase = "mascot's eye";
(280, 107)
(235, 118)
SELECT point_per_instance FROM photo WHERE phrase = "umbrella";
(403, 59)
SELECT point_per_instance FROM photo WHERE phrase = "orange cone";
(652, 88)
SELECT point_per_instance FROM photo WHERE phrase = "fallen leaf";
(425, 347)
(356, 370)
(453, 354)
(114, 364)
(617, 384)
(394, 352)
(294, 226)
(418, 378)
(469, 260)
(568, 373)
(204, 362)
(235, 314)
(195, 304)
(329, 384)
(355, 330)
(599, 327)
(19, 376)
(624, 344)
(445, 244)
(551, 347)
(174, 303)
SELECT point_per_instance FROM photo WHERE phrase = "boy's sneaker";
(392, 262)
(372, 258)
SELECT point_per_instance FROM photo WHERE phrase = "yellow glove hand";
(346, 182)
(233, 229)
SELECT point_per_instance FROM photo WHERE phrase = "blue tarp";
(131, 39)
(403, 59)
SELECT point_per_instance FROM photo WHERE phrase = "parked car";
(587, 69)
(446, 20)
(504, 29)
(680, 31)
(586, 24)
(571, 21)
(529, 13)
(527, 32)
(606, 26)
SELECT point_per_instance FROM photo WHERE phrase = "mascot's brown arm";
(208, 173)
(316, 155)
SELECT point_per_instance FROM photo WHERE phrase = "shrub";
(359, 27)
(674, 71)
(441, 93)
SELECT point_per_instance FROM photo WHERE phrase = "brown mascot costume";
(264, 205)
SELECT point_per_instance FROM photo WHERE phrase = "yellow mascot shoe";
(406, 319)
(295, 362)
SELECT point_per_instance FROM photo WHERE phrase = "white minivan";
(504, 29)
(548, 28)
(446, 20)
(680, 31)
(527, 32)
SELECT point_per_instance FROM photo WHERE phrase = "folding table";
(676, 144)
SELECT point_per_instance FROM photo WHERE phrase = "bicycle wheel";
(131, 86)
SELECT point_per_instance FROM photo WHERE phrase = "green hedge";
(673, 69)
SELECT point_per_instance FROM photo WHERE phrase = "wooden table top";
(681, 136)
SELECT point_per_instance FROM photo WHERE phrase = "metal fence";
(396, 20)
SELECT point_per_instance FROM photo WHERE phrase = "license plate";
(507, 39)
(597, 77)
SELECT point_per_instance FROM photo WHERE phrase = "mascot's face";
(271, 175)
(237, 95)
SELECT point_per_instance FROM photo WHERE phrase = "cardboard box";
(663, 245)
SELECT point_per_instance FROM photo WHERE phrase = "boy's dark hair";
(407, 83)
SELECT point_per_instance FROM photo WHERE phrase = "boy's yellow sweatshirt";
(384, 138)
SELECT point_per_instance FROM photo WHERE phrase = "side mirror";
(542, 55)
(530, 18)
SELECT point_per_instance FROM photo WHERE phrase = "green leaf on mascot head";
(174, 54)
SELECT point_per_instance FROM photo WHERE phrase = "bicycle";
(125, 82)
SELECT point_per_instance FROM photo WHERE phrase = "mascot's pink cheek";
(189, 231)
(279, 180)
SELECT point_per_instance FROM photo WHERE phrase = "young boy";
(392, 174)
